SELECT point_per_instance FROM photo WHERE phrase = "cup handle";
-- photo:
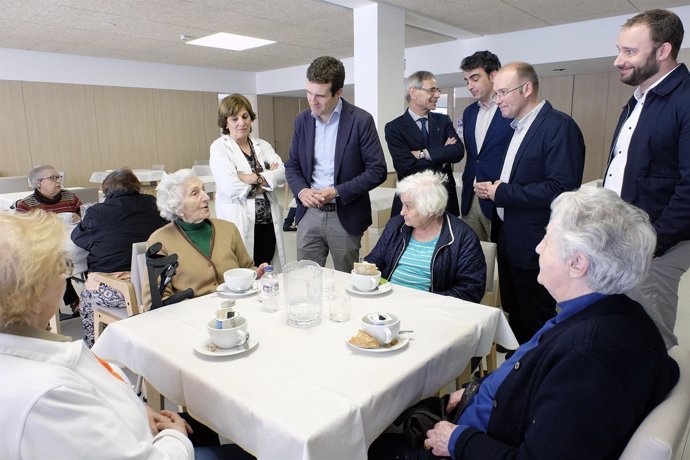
(243, 337)
(374, 283)
(389, 336)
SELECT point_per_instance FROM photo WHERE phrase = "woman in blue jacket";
(427, 248)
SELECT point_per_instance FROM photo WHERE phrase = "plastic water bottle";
(270, 291)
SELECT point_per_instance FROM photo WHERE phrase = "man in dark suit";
(649, 164)
(487, 135)
(420, 139)
(335, 160)
(545, 157)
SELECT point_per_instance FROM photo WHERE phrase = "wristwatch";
(423, 154)
(260, 179)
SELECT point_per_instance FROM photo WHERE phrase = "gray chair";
(14, 184)
(663, 435)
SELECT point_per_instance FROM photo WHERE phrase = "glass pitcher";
(303, 294)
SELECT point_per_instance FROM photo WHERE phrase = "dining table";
(304, 393)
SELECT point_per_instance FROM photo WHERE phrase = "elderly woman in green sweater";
(206, 247)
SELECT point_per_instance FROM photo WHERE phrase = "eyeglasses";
(501, 93)
(52, 178)
(431, 91)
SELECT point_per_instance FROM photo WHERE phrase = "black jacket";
(109, 229)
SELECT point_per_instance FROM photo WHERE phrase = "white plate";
(381, 289)
(204, 349)
(402, 342)
(225, 292)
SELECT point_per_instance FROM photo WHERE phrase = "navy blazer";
(493, 151)
(657, 173)
(582, 392)
(403, 135)
(549, 161)
(359, 165)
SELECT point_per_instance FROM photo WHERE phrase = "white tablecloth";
(304, 393)
(381, 198)
(144, 175)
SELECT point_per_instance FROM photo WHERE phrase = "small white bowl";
(239, 279)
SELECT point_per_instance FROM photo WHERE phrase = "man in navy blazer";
(335, 160)
(487, 135)
(545, 157)
(649, 165)
(420, 139)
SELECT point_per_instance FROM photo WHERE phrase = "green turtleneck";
(199, 234)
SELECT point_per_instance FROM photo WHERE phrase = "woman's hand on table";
(438, 437)
(260, 270)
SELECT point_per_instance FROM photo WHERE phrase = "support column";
(379, 64)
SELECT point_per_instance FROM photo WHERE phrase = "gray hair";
(170, 193)
(416, 81)
(615, 237)
(426, 190)
(35, 175)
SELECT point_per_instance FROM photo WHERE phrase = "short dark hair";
(327, 69)
(664, 26)
(526, 72)
(230, 106)
(484, 59)
(122, 179)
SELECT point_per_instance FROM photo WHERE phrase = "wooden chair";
(663, 434)
(130, 290)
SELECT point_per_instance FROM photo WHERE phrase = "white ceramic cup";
(66, 217)
(384, 327)
(230, 337)
(239, 279)
(366, 283)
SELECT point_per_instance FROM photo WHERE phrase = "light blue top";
(414, 268)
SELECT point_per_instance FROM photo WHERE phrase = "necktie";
(425, 132)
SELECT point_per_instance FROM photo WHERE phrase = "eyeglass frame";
(431, 91)
(53, 178)
(502, 93)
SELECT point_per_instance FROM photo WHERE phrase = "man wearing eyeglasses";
(649, 164)
(486, 134)
(420, 139)
(49, 196)
(545, 157)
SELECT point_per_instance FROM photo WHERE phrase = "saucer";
(207, 348)
(223, 291)
(402, 342)
(380, 289)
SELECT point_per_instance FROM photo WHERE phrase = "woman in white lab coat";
(247, 171)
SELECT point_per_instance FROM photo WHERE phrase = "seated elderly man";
(584, 382)
(206, 247)
(427, 248)
(49, 196)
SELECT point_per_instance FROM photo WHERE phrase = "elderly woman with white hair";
(584, 382)
(206, 247)
(426, 247)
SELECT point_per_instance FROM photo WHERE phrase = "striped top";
(65, 202)
(414, 268)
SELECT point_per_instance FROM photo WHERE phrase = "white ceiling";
(150, 30)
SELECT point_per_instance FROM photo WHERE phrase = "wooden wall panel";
(285, 109)
(14, 137)
(126, 128)
(180, 128)
(558, 91)
(61, 121)
(264, 115)
(589, 111)
(211, 129)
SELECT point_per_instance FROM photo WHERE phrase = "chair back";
(138, 269)
(663, 434)
(491, 290)
(87, 195)
(14, 184)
